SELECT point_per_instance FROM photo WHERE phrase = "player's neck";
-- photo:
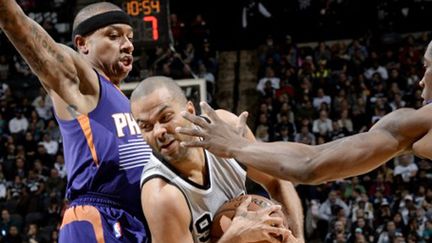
(113, 80)
(194, 166)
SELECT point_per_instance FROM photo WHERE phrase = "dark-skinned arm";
(354, 155)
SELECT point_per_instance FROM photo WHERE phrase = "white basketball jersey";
(226, 180)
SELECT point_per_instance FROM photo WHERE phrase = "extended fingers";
(194, 144)
(195, 119)
(206, 109)
(243, 118)
(241, 125)
(190, 131)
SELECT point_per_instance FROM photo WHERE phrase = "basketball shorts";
(88, 220)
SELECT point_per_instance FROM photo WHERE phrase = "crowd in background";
(308, 93)
(318, 94)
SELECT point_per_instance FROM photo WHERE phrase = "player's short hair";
(149, 85)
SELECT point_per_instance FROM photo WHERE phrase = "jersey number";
(202, 226)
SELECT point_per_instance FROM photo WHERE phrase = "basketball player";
(188, 185)
(401, 131)
(103, 150)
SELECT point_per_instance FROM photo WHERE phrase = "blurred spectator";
(389, 233)
(177, 28)
(427, 232)
(43, 110)
(60, 166)
(328, 208)
(358, 50)
(381, 186)
(363, 228)
(53, 130)
(305, 136)
(269, 81)
(376, 68)
(55, 185)
(397, 102)
(22, 69)
(351, 187)
(36, 126)
(199, 29)
(33, 235)
(323, 125)
(4, 90)
(322, 52)
(50, 145)
(320, 98)
(345, 121)
(339, 230)
(406, 169)
(14, 235)
(18, 125)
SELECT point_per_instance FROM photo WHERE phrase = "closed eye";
(147, 127)
(166, 118)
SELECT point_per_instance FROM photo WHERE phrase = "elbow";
(310, 177)
(304, 173)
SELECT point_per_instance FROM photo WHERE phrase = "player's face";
(157, 115)
(426, 82)
(110, 49)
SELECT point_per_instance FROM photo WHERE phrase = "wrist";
(239, 148)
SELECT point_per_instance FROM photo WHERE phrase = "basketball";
(226, 212)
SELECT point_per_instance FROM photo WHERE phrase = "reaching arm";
(282, 191)
(349, 156)
(57, 66)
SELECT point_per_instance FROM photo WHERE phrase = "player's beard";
(176, 153)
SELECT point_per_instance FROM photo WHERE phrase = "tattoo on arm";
(42, 39)
(30, 39)
(73, 110)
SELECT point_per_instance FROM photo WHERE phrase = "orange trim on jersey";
(84, 122)
(85, 213)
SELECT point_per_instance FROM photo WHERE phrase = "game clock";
(150, 22)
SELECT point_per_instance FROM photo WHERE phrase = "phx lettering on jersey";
(123, 120)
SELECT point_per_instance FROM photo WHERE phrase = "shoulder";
(161, 190)
(162, 200)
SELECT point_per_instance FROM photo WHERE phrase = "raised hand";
(219, 137)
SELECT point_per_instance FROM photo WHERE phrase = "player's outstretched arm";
(55, 64)
(349, 156)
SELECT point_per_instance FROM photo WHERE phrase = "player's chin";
(121, 76)
(122, 70)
